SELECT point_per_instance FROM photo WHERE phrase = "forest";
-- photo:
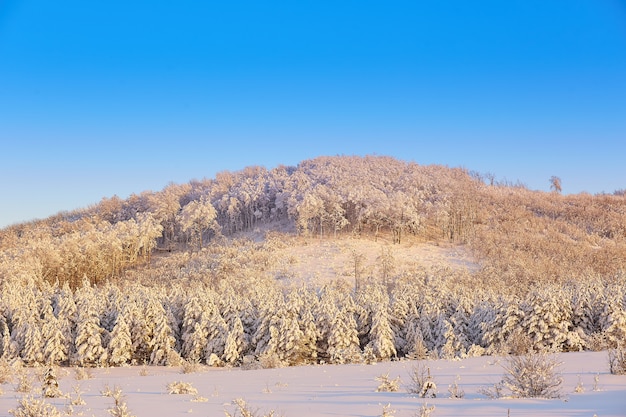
(194, 272)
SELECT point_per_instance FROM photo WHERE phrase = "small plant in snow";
(120, 409)
(24, 383)
(494, 392)
(81, 373)
(533, 376)
(596, 381)
(106, 391)
(454, 390)
(199, 399)
(243, 410)
(617, 361)
(189, 367)
(579, 387)
(143, 371)
(422, 382)
(425, 410)
(6, 372)
(50, 387)
(386, 384)
(388, 411)
(77, 400)
(180, 387)
(32, 407)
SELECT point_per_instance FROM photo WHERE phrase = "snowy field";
(332, 390)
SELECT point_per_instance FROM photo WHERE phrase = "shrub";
(243, 410)
(422, 382)
(180, 387)
(533, 376)
(120, 409)
(387, 384)
(32, 407)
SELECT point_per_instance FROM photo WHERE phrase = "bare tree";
(555, 184)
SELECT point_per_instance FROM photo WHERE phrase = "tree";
(555, 184)
(197, 217)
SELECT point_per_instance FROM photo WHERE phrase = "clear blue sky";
(113, 97)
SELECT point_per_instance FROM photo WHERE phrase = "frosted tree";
(290, 341)
(163, 342)
(5, 339)
(613, 323)
(547, 322)
(381, 335)
(197, 217)
(65, 310)
(343, 339)
(30, 333)
(400, 307)
(194, 330)
(310, 334)
(588, 302)
(50, 386)
(55, 349)
(120, 342)
(236, 342)
(503, 333)
(88, 342)
(217, 333)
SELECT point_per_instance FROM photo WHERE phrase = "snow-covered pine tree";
(88, 342)
(163, 343)
(381, 337)
(194, 330)
(50, 386)
(5, 339)
(55, 349)
(236, 342)
(30, 333)
(613, 321)
(217, 333)
(120, 342)
(343, 339)
(547, 321)
(308, 346)
(64, 307)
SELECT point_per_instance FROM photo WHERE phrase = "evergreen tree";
(55, 345)
(50, 387)
(88, 342)
(120, 342)
(381, 335)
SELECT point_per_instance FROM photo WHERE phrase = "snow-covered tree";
(120, 342)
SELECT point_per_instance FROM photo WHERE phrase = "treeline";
(259, 323)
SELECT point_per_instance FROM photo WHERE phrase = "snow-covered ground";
(336, 390)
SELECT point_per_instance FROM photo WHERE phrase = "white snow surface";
(337, 390)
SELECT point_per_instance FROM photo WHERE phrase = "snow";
(336, 390)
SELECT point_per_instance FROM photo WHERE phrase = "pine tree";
(31, 353)
(50, 387)
(163, 343)
(343, 339)
(55, 346)
(194, 330)
(381, 335)
(120, 342)
(88, 342)
(236, 343)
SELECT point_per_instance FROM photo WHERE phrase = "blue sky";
(101, 98)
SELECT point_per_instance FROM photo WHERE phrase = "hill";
(512, 233)
(337, 260)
